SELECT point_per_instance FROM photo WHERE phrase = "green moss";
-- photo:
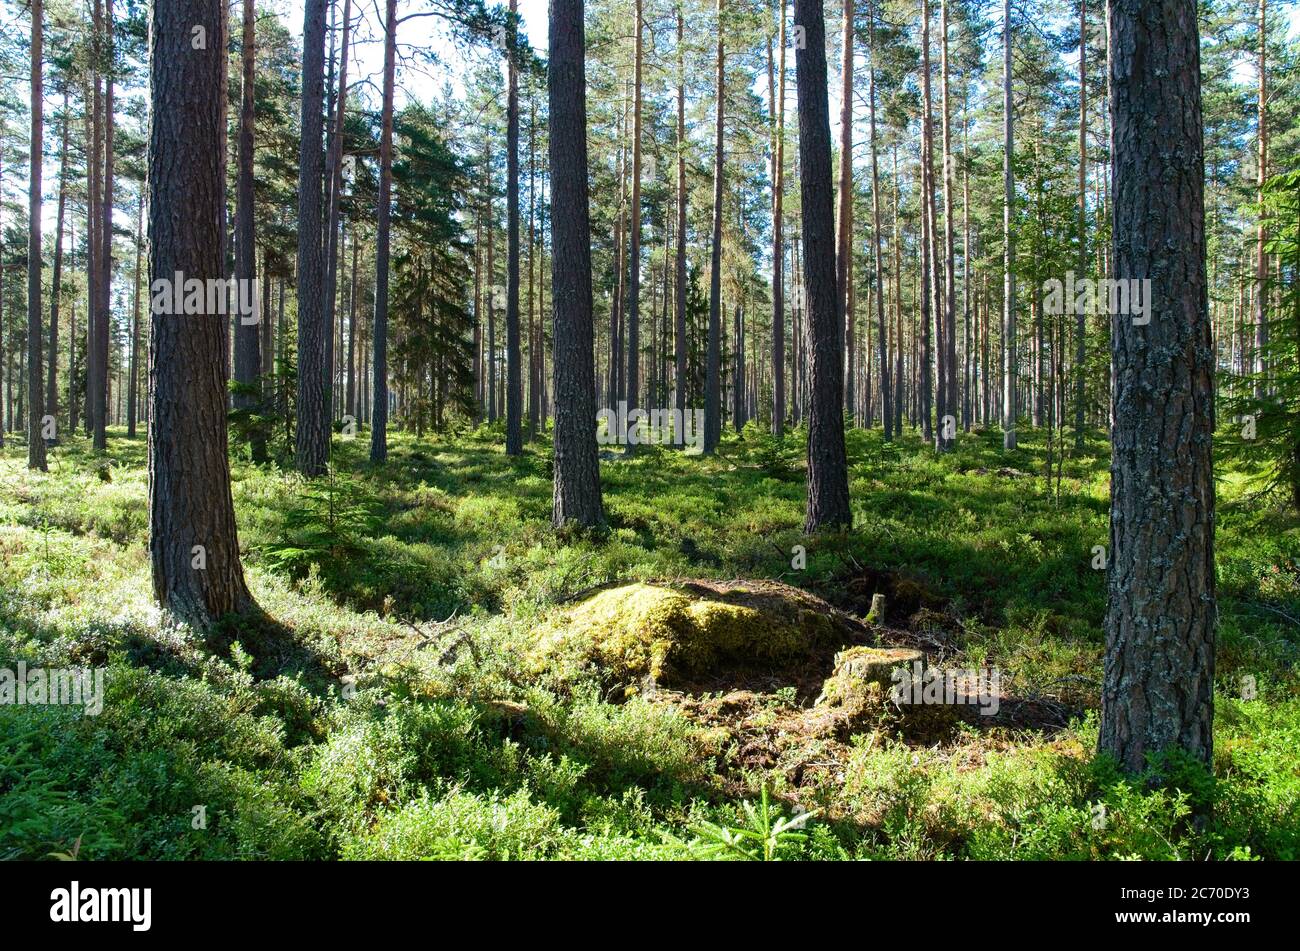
(653, 631)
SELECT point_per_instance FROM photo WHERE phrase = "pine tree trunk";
(1080, 353)
(713, 359)
(379, 328)
(1009, 365)
(679, 282)
(828, 485)
(193, 544)
(1158, 690)
(132, 398)
(313, 432)
(882, 334)
(778, 237)
(576, 496)
(947, 435)
(334, 177)
(844, 219)
(514, 377)
(35, 372)
(633, 311)
(248, 342)
(56, 282)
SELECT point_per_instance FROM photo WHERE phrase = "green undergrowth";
(404, 714)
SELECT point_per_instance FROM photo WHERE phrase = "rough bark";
(514, 374)
(713, 357)
(828, 485)
(1158, 691)
(1009, 365)
(35, 374)
(248, 343)
(313, 436)
(191, 514)
(576, 497)
(383, 239)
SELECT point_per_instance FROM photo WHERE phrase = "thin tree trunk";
(379, 328)
(514, 378)
(56, 283)
(679, 284)
(248, 352)
(334, 175)
(35, 372)
(132, 400)
(844, 246)
(882, 335)
(1009, 366)
(713, 360)
(778, 237)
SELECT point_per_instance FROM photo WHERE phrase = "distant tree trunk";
(334, 176)
(93, 222)
(132, 399)
(56, 283)
(353, 409)
(929, 389)
(1009, 365)
(576, 497)
(778, 237)
(1080, 353)
(248, 352)
(534, 333)
(713, 359)
(947, 436)
(882, 334)
(104, 286)
(193, 545)
(379, 328)
(1158, 691)
(633, 381)
(679, 283)
(828, 484)
(514, 377)
(35, 372)
(313, 433)
(1261, 232)
(844, 246)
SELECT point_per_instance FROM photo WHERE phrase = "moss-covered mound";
(660, 631)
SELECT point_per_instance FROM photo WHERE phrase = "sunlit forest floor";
(394, 707)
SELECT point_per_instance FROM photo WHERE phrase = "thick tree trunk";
(828, 484)
(1158, 690)
(576, 496)
(379, 328)
(313, 434)
(35, 373)
(193, 544)
(248, 343)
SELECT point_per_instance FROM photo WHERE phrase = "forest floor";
(395, 708)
